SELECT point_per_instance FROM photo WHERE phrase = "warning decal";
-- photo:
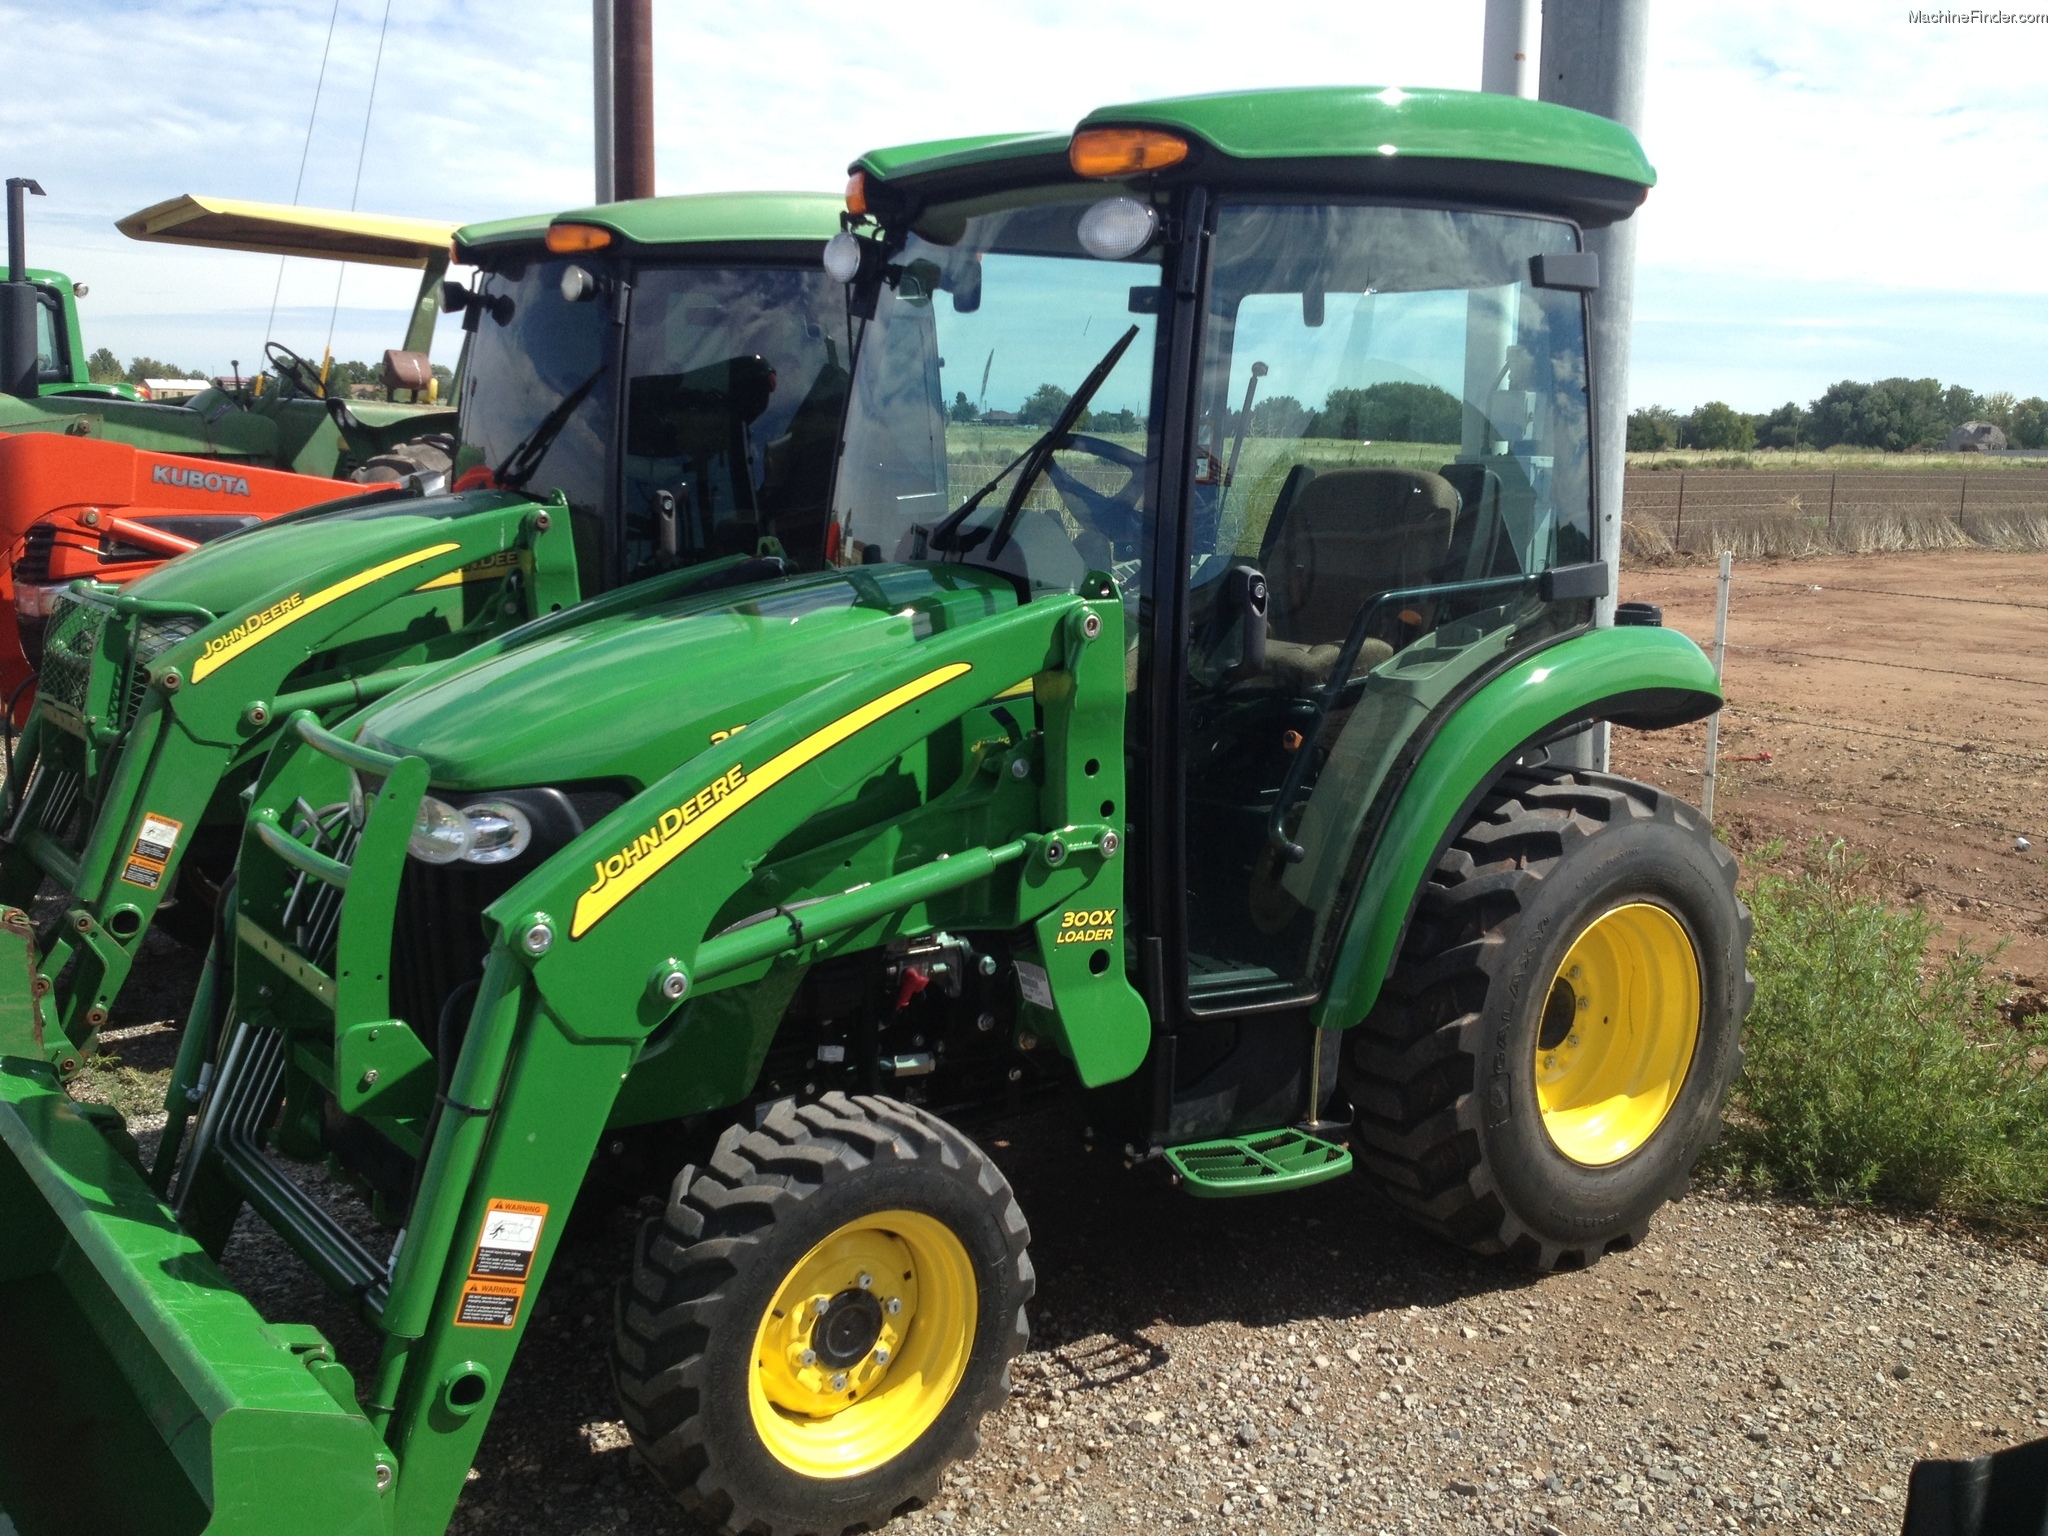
(505, 1246)
(152, 851)
(488, 1304)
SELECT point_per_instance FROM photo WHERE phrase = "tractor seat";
(1341, 538)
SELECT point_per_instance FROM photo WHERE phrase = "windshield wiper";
(523, 460)
(1034, 459)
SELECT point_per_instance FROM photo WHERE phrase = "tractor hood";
(631, 686)
(235, 570)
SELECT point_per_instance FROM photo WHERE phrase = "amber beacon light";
(565, 238)
(1124, 151)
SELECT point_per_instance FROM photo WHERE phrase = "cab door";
(1391, 444)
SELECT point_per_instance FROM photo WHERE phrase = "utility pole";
(633, 97)
(1507, 64)
(603, 65)
(1595, 58)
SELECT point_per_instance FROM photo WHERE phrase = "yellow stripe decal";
(680, 826)
(1018, 690)
(258, 627)
(489, 568)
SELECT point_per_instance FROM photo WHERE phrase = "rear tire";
(1509, 1112)
(743, 1430)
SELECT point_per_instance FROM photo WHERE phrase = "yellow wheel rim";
(1617, 1035)
(863, 1345)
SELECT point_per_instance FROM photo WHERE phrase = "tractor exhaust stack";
(18, 365)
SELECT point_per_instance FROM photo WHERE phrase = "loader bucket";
(2002, 1494)
(140, 1395)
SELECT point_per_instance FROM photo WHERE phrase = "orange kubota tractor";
(108, 488)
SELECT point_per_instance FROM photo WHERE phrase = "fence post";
(1831, 503)
(1678, 536)
(1963, 501)
(1720, 657)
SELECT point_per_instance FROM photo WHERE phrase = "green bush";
(1876, 1071)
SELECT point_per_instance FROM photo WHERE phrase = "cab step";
(1260, 1164)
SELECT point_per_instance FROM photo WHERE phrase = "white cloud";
(1832, 144)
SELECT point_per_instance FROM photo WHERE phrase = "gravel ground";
(1311, 1363)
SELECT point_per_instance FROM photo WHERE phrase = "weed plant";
(1877, 1071)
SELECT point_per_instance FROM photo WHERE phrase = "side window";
(52, 365)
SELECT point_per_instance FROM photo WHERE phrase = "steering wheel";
(1114, 516)
(302, 375)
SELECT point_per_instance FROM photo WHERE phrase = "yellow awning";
(230, 224)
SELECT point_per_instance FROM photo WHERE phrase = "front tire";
(820, 1319)
(1551, 1053)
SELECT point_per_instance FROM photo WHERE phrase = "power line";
(311, 117)
(362, 149)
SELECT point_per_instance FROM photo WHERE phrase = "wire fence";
(1843, 716)
(1760, 514)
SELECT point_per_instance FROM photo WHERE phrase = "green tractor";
(596, 444)
(1193, 738)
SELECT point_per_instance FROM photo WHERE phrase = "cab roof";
(1380, 137)
(705, 218)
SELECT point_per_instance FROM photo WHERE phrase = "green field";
(1843, 461)
(974, 453)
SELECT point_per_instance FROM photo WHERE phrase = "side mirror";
(454, 296)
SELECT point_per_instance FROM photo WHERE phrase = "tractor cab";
(1328, 432)
(685, 405)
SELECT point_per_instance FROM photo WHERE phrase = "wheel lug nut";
(839, 1381)
(824, 1305)
(895, 1305)
(865, 1280)
(881, 1357)
(809, 1357)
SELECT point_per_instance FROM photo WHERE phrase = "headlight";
(32, 601)
(440, 833)
(498, 832)
(489, 832)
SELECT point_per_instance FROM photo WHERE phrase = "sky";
(1842, 193)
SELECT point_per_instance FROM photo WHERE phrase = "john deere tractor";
(600, 440)
(1192, 733)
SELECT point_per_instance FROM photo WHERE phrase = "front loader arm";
(587, 952)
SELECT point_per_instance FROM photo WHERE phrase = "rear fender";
(1647, 679)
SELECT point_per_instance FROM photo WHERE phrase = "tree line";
(1890, 415)
(1388, 412)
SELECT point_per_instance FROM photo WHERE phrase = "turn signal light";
(1124, 151)
(566, 238)
(857, 192)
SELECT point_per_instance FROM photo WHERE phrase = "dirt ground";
(1898, 702)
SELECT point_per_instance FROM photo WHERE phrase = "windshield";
(731, 401)
(974, 356)
(532, 350)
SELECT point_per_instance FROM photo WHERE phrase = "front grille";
(72, 638)
(33, 568)
(312, 916)
(437, 941)
(152, 638)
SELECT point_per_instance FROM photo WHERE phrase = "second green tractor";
(1195, 738)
